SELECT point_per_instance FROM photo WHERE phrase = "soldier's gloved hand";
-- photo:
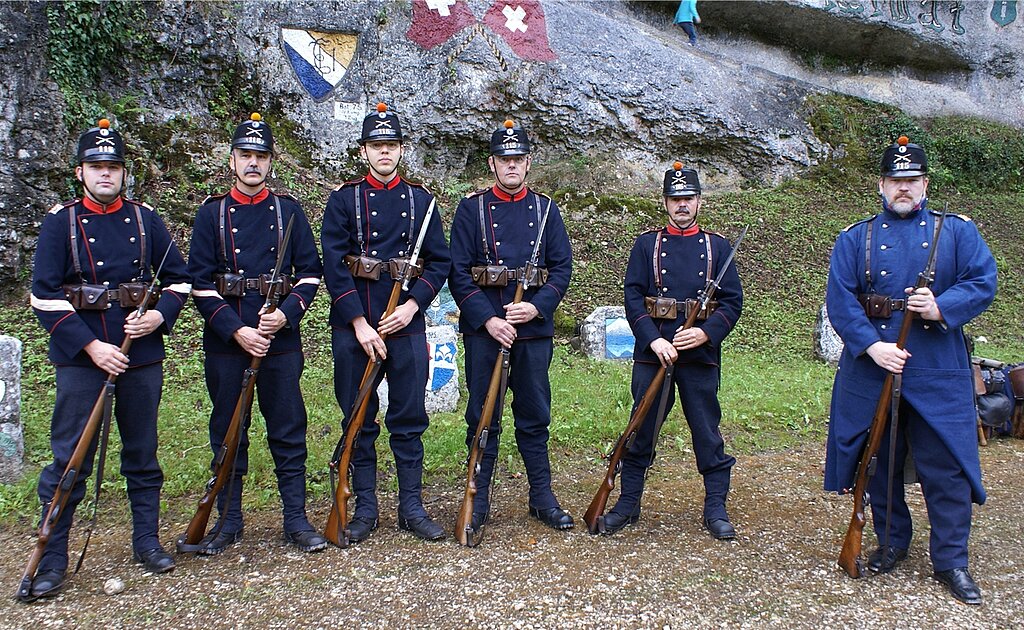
(664, 351)
(520, 313)
(107, 357)
(368, 338)
(689, 338)
(252, 341)
(501, 331)
(922, 302)
(888, 356)
(135, 326)
(271, 322)
(399, 319)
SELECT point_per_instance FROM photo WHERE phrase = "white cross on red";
(515, 18)
(441, 6)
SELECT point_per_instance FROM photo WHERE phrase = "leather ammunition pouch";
(1016, 376)
(369, 268)
(880, 306)
(97, 297)
(397, 268)
(364, 267)
(237, 285)
(661, 307)
(502, 276)
(668, 308)
(691, 304)
(230, 284)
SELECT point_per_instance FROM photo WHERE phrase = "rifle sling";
(666, 393)
(894, 421)
(108, 399)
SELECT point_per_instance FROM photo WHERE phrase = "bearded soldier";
(95, 256)
(871, 288)
(370, 227)
(235, 244)
(494, 234)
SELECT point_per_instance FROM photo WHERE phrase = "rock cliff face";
(608, 86)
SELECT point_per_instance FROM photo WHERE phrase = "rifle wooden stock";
(464, 532)
(849, 556)
(336, 529)
(224, 464)
(67, 482)
(600, 501)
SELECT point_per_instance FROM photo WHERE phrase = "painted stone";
(442, 390)
(605, 334)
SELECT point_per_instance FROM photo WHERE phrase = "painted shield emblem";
(442, 364)
(320, 59)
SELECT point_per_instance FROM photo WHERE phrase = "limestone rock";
(12, 447)
(605, 334)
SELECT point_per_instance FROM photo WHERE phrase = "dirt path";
(662, 572)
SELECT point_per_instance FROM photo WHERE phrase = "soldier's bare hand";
(922, 302)
(689, 338)
(520, 313)
(663, 349)
(135, 326)
(252, 341)
(107, 357)
(271, 322)
(399, 319)
(501, 331)
(888, 356)
(368, 338)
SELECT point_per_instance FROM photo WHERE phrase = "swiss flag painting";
(435, 21)
(521, 24)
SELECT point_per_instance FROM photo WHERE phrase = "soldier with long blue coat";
(496, 228)
(874, 268)
(93, 257)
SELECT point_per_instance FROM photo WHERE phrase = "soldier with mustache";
(871, 287)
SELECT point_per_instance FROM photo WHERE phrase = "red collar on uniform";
(376, 183)
(241, 197)
(504, 196)
(99, 208)
(674, 231)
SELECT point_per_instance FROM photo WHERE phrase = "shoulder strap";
(223, 235)
(277, 207)
(73, 235)
(540, 236)
(359, 220)
(655, 262)
(142, 242)
(412, 222)
(483, 229)
(707, 251)
(867, 255)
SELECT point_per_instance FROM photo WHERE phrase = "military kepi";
(381, 125)
(681, 182)
(510, 140)
(253, 135)
(904, 159)
(101, 144)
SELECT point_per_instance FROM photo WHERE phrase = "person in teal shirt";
(686, 16)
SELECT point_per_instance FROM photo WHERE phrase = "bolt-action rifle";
(336, 530)
(224, 463)
(494, 402)
(594, 517)
(98, 417)
(849, 557)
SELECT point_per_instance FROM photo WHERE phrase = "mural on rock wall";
(320, 59)
(520, 23)
(929, 13)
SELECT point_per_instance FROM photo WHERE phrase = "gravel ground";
(662, 572)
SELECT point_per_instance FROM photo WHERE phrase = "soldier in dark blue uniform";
(493, 237)
(667, 270)
(369, 222)
(93, 257)
(235, 243)
(875, 264)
